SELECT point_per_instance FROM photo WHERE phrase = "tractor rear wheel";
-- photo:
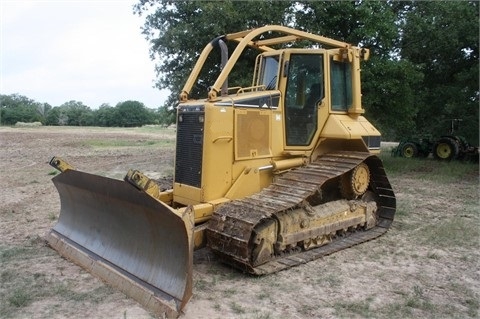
(446, 149)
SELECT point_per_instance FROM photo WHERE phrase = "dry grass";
(426, 266)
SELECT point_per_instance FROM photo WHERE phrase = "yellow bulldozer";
(268, 176)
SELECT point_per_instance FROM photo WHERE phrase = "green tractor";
(415, 146)
(446, 147)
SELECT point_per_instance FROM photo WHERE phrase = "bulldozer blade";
(132, 241)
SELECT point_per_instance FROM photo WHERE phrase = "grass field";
(425, 266)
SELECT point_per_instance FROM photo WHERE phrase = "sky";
(55, 51)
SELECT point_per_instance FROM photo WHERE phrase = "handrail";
(244, 39)
(251, 88)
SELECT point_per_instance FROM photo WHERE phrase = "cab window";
(268, 76)
(341, 85)
(304, 92)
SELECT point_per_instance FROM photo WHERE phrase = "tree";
(179, 30)
(169, 29)
(75, 113)
(53, 117)
(424, 55)
(18, 108)
(390, 97)
(104, 116)
(166, 116)
(43, 109)
(387, 82)
(441, 39)
(130, 114)
(369, 24)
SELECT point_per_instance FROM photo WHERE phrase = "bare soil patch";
(426, 266)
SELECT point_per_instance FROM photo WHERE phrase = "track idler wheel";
(355, 183)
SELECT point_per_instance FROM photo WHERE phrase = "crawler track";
(231, 227)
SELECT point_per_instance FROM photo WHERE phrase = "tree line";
(423, 70)
(18, 108)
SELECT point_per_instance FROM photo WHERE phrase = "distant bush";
(32, 124)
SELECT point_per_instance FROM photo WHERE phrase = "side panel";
(252, 134)
(218, 152)
(218, 143)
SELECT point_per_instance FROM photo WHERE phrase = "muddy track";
(232, 225)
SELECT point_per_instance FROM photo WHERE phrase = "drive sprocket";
(355, 183)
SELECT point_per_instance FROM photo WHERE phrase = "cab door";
(304, 93)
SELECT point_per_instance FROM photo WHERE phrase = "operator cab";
(302, 75)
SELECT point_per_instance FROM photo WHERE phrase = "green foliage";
(166, 116)
(391, 104)
(53, 117)
(423, 69)
(75, 113)
(424, 54)
(369, 23)
(18, 108)
(130, 114)
(178, 32)
(105, 115)
(441, 38)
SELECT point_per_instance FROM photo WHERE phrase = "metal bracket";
(60, 164)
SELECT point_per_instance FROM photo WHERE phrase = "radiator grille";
(253, 134)
(189, 150)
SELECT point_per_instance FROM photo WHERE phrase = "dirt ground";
(426, 266)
